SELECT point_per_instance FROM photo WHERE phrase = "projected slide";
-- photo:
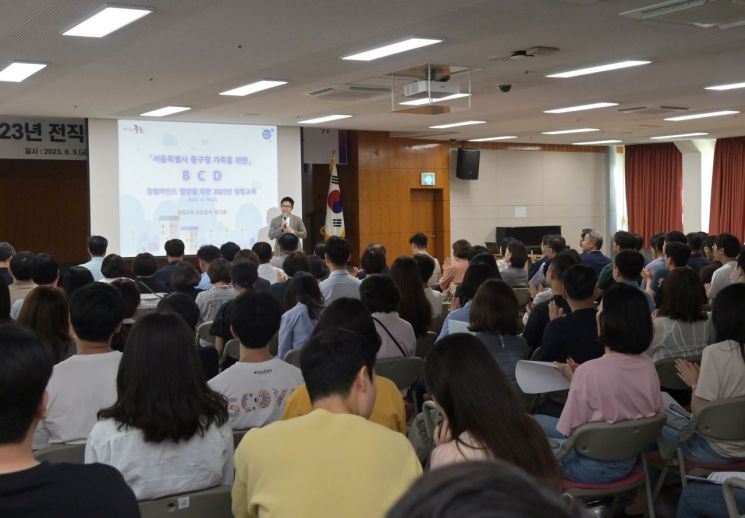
(201, 183)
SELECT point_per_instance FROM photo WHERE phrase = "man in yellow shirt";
(332, 462)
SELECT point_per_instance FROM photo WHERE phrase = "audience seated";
(620, 385)
(266, 270)
(287, 243)
(22, 266)
(228, 251)
(30, 488)
(720, 376)
(703, 500)
(537, 264)
(131, 296)
(573, 337)
(475, 276)
(205, 255)
(174, 255)
(426, 265)
(695, 242)
(555, 244)
(176, 442)
(73, 278)
(540, 316)
(710, 251)
(338, 369)
(482, 489)
(657, 247)
(455, 267)
(6, 252)
(738, 276)
(144, 267)
(728, 247)
(495, 318)
(46, 312)
(184, 279)
(84, 383)
(294, 262)
(413, 305)
(97, 246)
(591, 245)
(418, 243)
(681, 326)
(515, 274)
(373, 260)
(305, 301)
(627, 267)
(676, 256)
(244, 275)
(622, 240)
(250, 255)
(350, 314)
(257, 386)
(318, 268)
(339, 282)
(380, 296)
(46, 273)
(113, 268)
(209, 301)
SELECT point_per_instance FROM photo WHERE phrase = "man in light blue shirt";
(97, 246)
(460, 315)
(339, 282)
(206, 254)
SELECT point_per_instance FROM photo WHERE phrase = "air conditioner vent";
(724, 14)
(349, 93)
(652, 110)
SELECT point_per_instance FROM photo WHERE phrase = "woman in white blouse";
(379, 295)
(168, 432)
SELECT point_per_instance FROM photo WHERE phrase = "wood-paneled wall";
(45, 207)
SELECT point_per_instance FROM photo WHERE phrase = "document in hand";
(539, 377)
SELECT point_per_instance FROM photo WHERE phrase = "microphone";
(285, 220)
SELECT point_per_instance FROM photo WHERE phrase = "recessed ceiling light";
(490, 139)
(702, 115)
(600, 68)
(392, 48)
(106, 21)
(597, 142)
(426, 100)
(17, 72)
(581, 107)
(166, 110)
(326, 118)
(254, 87)
(564, 132)
(456, 124)
(682, 135)
(730, 86)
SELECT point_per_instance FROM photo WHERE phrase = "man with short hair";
(554, 245)
(696, 243)
(286, 223)
(426, 266)
(243, 276)
(622, 240)
(677, 255)
(418, 244)
(357, 468)
(660, 274)
(46, 273)
(257, 386)
(592, 242)
(205, 255)
(287, 243)
(266, 270)
(97, 246)
(728, 247)
(209, 301)
(6, 252)
(339, 283)
(627, 266)
(295, 262)
(31, 488)
(22, 266)
(228, 250)
(174, 255)
(573, 337)
(85, 383)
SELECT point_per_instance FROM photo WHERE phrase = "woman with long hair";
(45, 311)
(167, 432)
(413, 305)
(185, 278)
(484, 419)
(379, 295)
(305, 301)
(495, 318)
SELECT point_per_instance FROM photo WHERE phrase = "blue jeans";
(579, 468)
(702, 500)
(696, 448)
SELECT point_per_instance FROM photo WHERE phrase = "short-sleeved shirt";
(209, 301)
(721, 278)
(676, 338)
(615, 387)
(539, 319)
(221, 323)
(722, 376)
(605, 278)
(574, 336)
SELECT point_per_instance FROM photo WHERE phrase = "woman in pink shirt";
(619, 386)
(455, 269)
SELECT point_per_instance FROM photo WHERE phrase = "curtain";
(728, 188)
(654, 188)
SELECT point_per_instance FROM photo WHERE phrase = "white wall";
(556, 188)
(698, 163)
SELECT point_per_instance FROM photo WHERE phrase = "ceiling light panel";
(391, 48)
(17, 72)
(729, 86)
(254, 87)
(166, 110)
(492, 139)
(581, 107)
(681, 136)
(456, 124)
(567, 131)
(326, 118)
(600, 68)
(706, 115)
(106, 21)
(597, 142)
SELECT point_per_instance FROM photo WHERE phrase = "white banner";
(43, 139)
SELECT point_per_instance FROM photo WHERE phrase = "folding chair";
(293, 357)
(404, 372)
(238, 435)
(274, 345)
(523, 296)
(213, 502)
(719, 420)
(424, 344)
(435, 325)
(72, 453)
(668, 374)
(612, 442)
(729, 497)
(204, 338)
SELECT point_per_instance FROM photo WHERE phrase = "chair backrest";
(729, 497)
(404, 372)
(293, 357)
(668, 374)
(424, 344)
(432, 417)
(274, 344)
(214, 502)
(435, 325)
(238, 435)
(233, 349)
(523, 296)
(623, 440)
(72, 453)
(203, 333)
(722, 419)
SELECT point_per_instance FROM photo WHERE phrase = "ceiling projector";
(435, 89)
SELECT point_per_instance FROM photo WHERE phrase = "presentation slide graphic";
(201, 183)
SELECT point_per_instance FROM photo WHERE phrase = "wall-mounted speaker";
(467, 166)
